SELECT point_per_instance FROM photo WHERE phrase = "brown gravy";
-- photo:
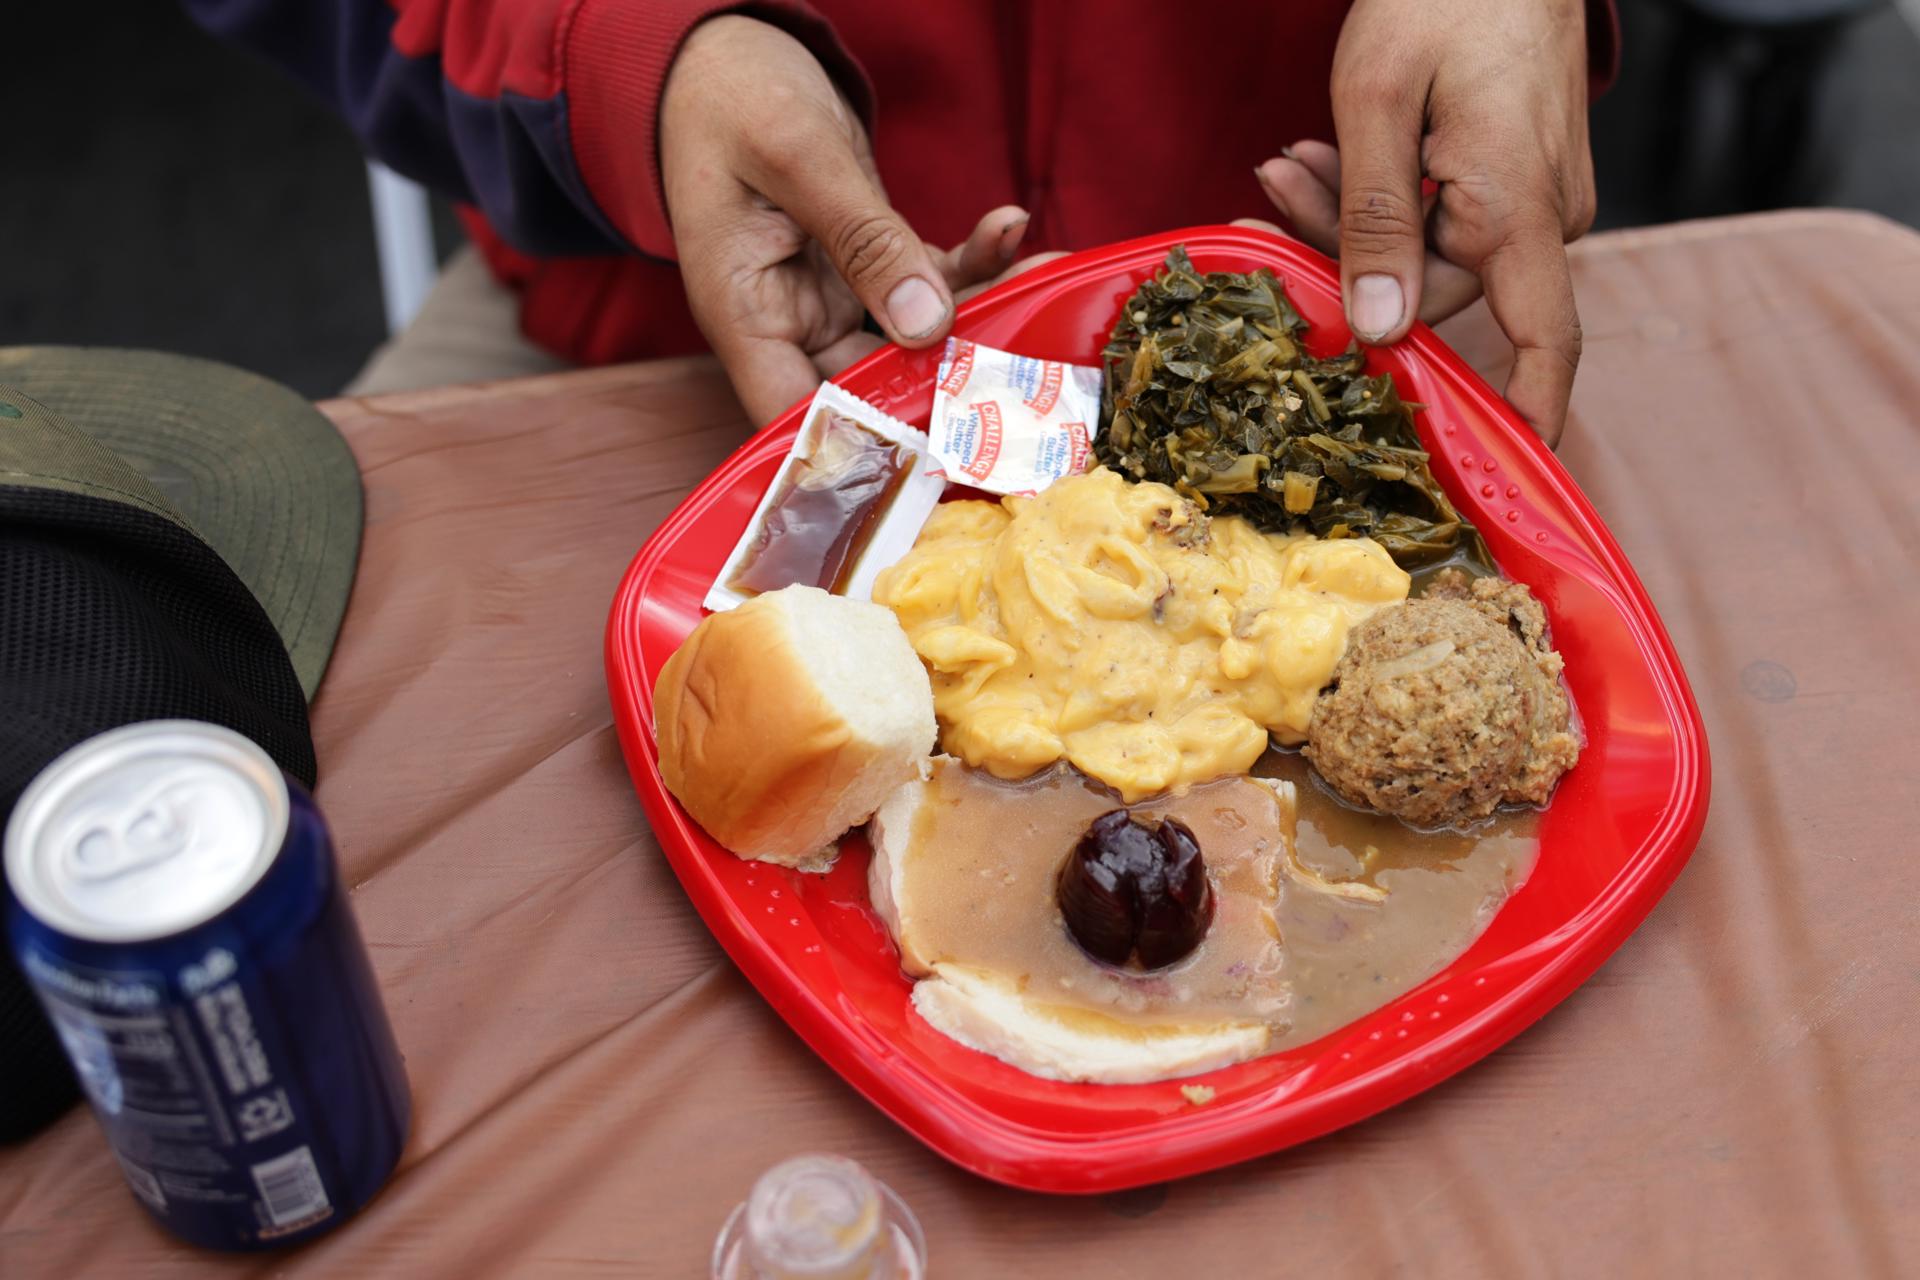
(1303, 947)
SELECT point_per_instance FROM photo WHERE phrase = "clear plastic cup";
(818, 1217)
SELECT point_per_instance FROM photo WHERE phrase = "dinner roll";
(786, 721)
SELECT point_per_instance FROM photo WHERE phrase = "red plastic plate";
(1618, 832)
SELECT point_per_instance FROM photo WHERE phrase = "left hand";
(784, 234)
(1489, 99)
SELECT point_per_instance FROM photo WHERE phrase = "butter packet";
(848, 500)
(1008, 423)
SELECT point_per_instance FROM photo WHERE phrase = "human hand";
(784, 235)
(1488, 98)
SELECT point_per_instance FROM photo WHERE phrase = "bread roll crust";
(753, 748)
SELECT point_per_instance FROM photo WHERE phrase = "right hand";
(785, 237)
(1488, 98)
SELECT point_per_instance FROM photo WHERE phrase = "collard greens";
(1208, 390)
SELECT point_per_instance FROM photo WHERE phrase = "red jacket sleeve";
(613, 60)
(540, 112)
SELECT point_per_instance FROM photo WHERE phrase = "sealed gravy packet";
(848, 500)
(1008, 423)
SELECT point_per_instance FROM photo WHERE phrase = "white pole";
(403, 232)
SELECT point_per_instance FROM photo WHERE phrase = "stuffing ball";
(1446, 707)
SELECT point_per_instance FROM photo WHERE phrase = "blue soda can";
(177, 909)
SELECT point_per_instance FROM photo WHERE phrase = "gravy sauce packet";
(1011, 424)
(848, 500)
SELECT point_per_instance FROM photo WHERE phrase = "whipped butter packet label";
(848, 500)
(1008, 423)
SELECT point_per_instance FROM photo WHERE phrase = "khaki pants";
(467, 330)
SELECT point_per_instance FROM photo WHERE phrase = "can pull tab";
(113, 846)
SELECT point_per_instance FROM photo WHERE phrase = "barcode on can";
(290, 1187)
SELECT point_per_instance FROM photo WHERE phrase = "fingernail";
(915, 308)
(1288, 153)
(1274, 193)
(1012, 235)
(1378, 304)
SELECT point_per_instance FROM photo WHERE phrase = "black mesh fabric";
(110, 615)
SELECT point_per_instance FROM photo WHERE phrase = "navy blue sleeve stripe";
(512, 156)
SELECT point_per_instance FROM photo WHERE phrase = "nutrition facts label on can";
(119, 1034)
(185, 1088)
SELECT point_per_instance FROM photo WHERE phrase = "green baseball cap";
(244, 464)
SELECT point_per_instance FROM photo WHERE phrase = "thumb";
(827, 191)
(1382, 223)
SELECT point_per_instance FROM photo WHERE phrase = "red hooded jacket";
(1105, 119)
